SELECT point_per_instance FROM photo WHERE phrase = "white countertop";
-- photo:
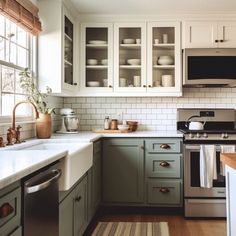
(20, 163)
(16, 164)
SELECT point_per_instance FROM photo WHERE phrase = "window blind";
(23, 12)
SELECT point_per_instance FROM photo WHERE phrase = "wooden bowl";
(133, 125)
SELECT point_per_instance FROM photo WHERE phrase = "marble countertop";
(16, 164)
(229, 159)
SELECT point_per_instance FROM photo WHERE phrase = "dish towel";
(225, 149)
(208, 170)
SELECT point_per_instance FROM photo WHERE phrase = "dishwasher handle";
(45, 184)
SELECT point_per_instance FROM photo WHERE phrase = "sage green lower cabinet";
(10, 222)
(73, 210)
(123, 170)
(94, 181)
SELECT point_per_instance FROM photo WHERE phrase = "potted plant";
(34, 95)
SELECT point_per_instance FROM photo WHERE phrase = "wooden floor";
(178, 225)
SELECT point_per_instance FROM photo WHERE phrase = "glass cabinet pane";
(96, 73)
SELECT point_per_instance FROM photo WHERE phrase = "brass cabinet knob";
(216, 41)
(165, 146)
(77, 199)
(110, 86)
(149, 86)
(75, 84)
(164, 164)
(5, 210)
(142, 147)
(144, 86)
(164, 190)
(221, 40)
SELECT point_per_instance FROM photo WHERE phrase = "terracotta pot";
(44, 126)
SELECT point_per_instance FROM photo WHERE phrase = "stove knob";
(198, 135)
(191, 135)
(205, 135)
(226, 135)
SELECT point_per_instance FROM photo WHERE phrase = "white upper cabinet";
(164, 59)
(57, 48)
(130, 57)
(96, 58)
(209, 34)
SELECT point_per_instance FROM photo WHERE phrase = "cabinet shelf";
(130, 46)
(164, 45)
(97, 46)
(164, 67)
(68, 37)
(131, 67)
(97, 67)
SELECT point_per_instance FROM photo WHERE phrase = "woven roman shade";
(23, 12)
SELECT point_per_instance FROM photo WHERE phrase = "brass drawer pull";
(164, 190)
(165, 146)
(164, 164)
(5, 210)
(77, 199)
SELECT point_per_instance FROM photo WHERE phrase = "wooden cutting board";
(111, 131)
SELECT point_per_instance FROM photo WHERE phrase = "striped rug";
(131, 229)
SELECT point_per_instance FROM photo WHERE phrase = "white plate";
(93, 84)
(97, 42)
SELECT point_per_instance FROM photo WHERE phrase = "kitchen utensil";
(123, 82)
(137, 81)
(97, 42)
(167, 81)
(93, 84)
(165, 38)
(134, 61)
(133, 125)
(92, 61)
(194, 125)
(165, 60)
(128, 41)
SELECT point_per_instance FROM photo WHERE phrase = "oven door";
(192, 175)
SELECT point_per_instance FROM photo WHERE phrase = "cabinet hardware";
(149, 86)
(5, 210)
(164, 164)
(110, 86)
(144, 86)
(142, 147)
(165, 146)
(77, 199)
(216, 41)
(164, 190)
(75, 84)
(221, 40)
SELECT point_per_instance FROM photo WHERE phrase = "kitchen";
(123, 91)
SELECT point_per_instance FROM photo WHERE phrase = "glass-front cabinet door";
(129, 57)
(96, 57)
(164, 58)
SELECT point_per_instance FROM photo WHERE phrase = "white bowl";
(165, 60)
(123, 127)
(92, 62)
(93, 84)
(128, 41)
(104, 62)
(134, 62)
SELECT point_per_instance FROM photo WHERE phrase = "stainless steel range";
(212, 126)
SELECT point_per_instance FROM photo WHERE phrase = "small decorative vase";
(44, 126)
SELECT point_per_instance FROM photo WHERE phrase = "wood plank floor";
(178, 225)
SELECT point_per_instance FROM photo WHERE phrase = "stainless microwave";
(209, 67)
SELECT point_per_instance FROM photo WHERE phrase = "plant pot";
(44, 126)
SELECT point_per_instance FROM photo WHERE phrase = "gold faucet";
(14, 133)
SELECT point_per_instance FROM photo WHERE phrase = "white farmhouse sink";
(74, 165)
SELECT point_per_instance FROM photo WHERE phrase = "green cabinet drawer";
(164, 192)
(163, 165)
(163, 145)
(10, 221)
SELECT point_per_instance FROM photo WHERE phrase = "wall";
(28, 128)
(153, 113)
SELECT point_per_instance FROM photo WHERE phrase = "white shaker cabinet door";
(227, 34)
(200, 34)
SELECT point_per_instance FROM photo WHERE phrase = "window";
(16, 53)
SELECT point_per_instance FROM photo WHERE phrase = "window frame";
(32, 64)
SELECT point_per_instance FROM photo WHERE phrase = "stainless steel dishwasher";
(41, 203)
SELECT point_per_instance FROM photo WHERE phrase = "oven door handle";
(197, 147)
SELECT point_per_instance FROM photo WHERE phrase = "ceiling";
(143, 7)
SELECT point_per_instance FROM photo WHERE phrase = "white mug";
(138, 41)
(156, 41)
(167, 81)
(123, 82)
(157, 83)
(165, 38)
(137, 81)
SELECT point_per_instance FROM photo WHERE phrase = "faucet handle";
(18, 134)
(2, 144)
(10, 136)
